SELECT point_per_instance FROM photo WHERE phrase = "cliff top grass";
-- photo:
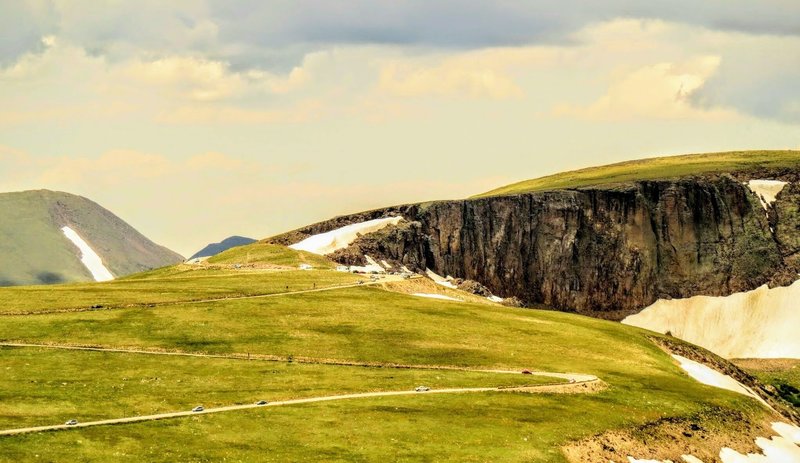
(653, 169)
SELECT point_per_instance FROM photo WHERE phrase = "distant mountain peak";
(215, 248)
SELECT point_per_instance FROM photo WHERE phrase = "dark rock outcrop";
(604, 251)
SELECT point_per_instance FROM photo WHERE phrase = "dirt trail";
(574, 383)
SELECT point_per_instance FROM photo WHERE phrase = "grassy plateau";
(652, 169)
(362, 324)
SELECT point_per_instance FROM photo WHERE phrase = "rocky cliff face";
(603, 251)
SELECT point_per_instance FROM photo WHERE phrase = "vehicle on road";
(71, 422)
(526, 372)
(262, 402)
(422, 389)
(198, 408)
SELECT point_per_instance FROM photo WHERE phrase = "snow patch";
(305, 267)
(386, 265)
(328, 242)
(371, 267)
(778, 449)
(89, 258)
(766, 190)
(494, 298)
(755, 324)
(437, 296)
(711, 377)
(439, 280)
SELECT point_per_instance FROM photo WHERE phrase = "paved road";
(579, 380)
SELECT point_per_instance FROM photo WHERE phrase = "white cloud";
(660, 91)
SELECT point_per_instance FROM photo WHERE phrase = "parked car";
(526, 372)
(422, 389)
(71, 422)
(262, 402)
(198, 408)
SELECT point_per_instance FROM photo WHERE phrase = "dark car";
(526, 372)
(262, 402)
(422, 389)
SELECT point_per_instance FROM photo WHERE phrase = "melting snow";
(766, 190)
(756, 324)
(371, 267)
(437, 296)
(89, 258)
(439, 280)
(495, 298)
(712, 377)
(783, 448)
(328, 242)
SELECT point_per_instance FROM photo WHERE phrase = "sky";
(196, 120)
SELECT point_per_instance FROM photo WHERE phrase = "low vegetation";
(359, 324)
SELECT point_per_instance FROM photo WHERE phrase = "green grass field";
(651, 169)
(169, 285)
(265, 253)
(361, 324)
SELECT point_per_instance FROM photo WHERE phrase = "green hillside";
(316, 339)
(34, 250)
(266, 253)
(653, 168)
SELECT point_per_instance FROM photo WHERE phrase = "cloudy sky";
(195, 120)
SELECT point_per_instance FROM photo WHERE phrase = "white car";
(71, 422)
(422, 389)
(198, 408)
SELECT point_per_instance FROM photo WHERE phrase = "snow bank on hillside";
(756, 324)
(712, 377)
(766, 190)
(328, 242)
(89, 258)
(438, 279)
(782, 448)
(437, 296)
(371, 267)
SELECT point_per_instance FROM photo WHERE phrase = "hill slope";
(35, 250)
(215, 248)
(187, 335)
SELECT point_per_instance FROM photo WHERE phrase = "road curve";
(579, 380)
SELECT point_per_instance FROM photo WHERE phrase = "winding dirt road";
(573, 381)
(136, 419)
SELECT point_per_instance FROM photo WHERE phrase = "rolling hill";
(215, 248)
(53, 237)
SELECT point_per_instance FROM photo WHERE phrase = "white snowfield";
(371, 267)
(89, 258)
(439, 280)
(328, 242)
(755, 324)
(711, 377)
(783, 448)
(437, 296)
(766, 190)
